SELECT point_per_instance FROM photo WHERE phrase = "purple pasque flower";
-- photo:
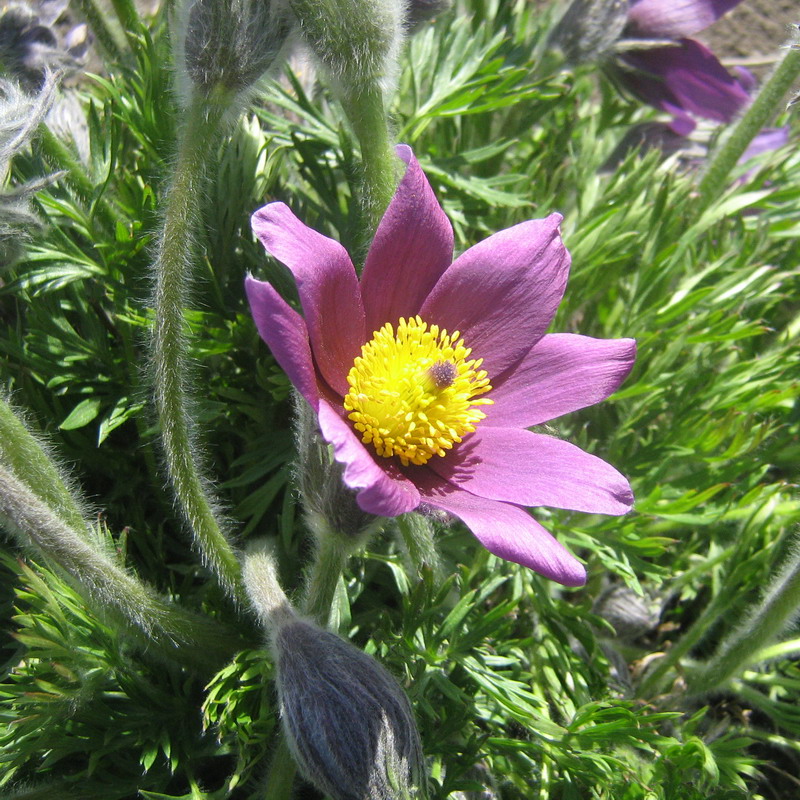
(682, 77)
(426, 372)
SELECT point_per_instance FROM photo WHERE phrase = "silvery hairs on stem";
(348, 723)
(329, 505)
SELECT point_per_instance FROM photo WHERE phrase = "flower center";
(413, 391)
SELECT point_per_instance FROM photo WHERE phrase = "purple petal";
(328, 287)
(672, 19)
(768, 139)
(503, 293)
(681, 125)
(530, 469)
(763, 142)
(684, 77)
(506, 530)
(411, 249)
(747, 80)
(381, 490)
(560, 374)
(284, 330)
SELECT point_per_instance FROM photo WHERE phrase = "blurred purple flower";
(682, 77)
(765, 141)
(426, 372)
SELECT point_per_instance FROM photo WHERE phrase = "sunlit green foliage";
(521, 689)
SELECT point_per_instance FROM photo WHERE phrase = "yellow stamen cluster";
(413, 391)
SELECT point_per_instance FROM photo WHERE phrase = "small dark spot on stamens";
(443, 373)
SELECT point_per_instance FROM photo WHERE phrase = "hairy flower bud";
(348, 722)
(630, 615)
(589, 29)
(357, 41)
(228, 43)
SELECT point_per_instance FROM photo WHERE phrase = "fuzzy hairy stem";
(25, 457)
(173, 265)
(273, 609)
(282, 771)
(380, 165)
(358, 43)
(177, 634)
(418, 538)
(776, 610)
(330, 558)
(715, 179)
(263, 588)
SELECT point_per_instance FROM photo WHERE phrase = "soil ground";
(755, 28)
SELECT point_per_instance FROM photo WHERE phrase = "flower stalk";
(173, 273)
(357, 42)
(757, 116)
(380, 174)
(176, 633)
(26, 459)
(776, 610)
(330, 558)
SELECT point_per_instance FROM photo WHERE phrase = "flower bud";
(589, 29)
(228, 44)
(348, 723)
(630, 615)
(357, 41)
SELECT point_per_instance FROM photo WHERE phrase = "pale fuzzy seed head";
(20, 116)
(348, 722)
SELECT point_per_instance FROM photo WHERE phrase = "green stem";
(773, 613)
(754, 119)
(156, 624)
(380, 165)
(282, 769)
(29, 462)
(128, 18)
(333, 551)
(203, 124)
(417, 533)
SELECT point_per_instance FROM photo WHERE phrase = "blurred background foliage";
(522, 689)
